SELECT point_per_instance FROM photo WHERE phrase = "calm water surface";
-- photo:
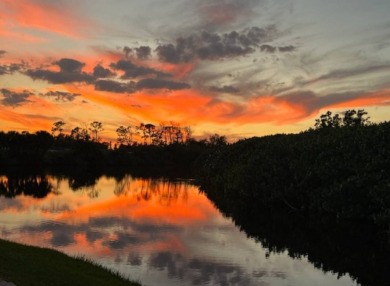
(153, 230)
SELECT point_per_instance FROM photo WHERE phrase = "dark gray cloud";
(151, 83)
(225, 89)
(16, 67)
(61, 95)
(133, 71)
(143, 52)
(115, 86)
(287, 49)
(214, 46)
(70, 71)
(70, 65)
(102, 72)
(3, 70)
(268, 48)
(131, 86)
(272, 49)
(13, 98)
(127, 51)
(11, 68)
(2, 52)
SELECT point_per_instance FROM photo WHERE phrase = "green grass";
(27, 265)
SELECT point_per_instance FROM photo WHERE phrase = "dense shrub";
(343, 171)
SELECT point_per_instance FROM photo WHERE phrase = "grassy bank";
(26, 265)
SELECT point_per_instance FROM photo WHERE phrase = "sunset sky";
(240, 68)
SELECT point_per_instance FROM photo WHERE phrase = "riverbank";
(343, 172)
(26, 265)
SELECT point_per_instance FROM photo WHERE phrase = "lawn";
(27, 265)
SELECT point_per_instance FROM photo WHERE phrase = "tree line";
(144, 133)
(348, 118)
(340, 167)
(145, 148)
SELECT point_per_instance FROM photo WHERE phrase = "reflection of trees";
(36, 186)
(167, 191)
(122, 185)
(342, 247)
(85, 181)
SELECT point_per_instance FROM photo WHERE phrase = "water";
(156, 231)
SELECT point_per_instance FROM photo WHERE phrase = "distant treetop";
(351, 118)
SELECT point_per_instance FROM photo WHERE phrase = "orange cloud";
(44, 16)
(378, 98)
(33, 115)
(192, 106)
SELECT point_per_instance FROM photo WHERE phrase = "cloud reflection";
(165, 229)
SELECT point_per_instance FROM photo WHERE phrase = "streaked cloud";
(14, 98)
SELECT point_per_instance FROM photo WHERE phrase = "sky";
(240, 68)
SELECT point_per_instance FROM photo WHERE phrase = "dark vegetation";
(165, 149)
(339, 169)
(27, 265)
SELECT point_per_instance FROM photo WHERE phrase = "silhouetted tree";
(217, 140)
(57, 128)
(125, 135)
(353, 118)
(328, 121)
(148, 132)
(79, 133)
(95, 128)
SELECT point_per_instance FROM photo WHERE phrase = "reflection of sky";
(158, 232)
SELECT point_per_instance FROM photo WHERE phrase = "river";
(156, 231)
